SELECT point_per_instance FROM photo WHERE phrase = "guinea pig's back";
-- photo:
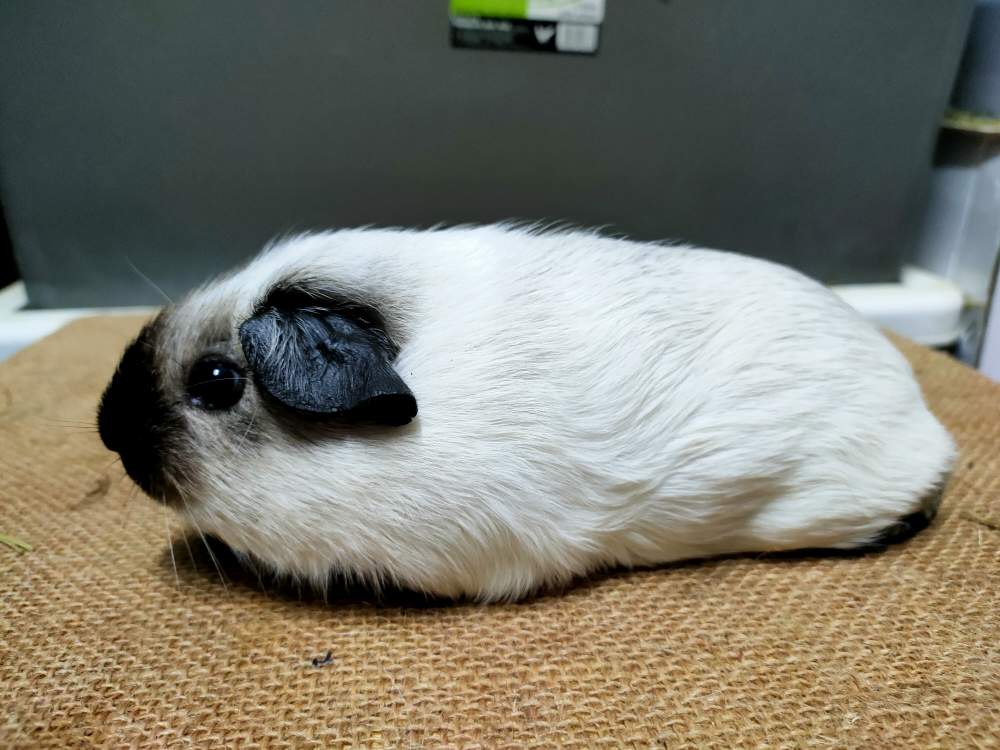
(682, 394)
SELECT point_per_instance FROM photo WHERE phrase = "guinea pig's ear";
(325, 358)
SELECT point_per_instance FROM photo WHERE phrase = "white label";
(575, 11)
(576, 37)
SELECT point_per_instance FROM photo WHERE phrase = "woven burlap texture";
(104, 646)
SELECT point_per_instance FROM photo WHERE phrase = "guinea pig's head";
(212, 378)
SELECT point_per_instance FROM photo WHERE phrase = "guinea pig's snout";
(134, 422)
(134, 434)
(139, 457)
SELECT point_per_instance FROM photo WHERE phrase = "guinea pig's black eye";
(215, 383)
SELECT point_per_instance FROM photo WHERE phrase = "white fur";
(583, 402)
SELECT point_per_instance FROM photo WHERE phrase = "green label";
(491, 8)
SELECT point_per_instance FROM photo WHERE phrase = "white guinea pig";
(485, 411)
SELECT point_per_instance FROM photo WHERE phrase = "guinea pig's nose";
(134, 421)
(122, 430)
(112, 437)
(135, 438)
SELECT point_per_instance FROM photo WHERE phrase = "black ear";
(326, 358)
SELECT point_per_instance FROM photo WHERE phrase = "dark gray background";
(182, 135)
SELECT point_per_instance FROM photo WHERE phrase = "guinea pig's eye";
(215, 383)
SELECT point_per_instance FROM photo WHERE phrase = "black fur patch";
(909, 525)
(134, 419)
(903, 529)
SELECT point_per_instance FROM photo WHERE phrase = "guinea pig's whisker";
(148, 280)
(77, 426)
(170, 546)
(127, 506)
(214, 380)
(131, 492)
(257, 571)
(190, 551)
(204, 541)
(246, 432)
(211, 556)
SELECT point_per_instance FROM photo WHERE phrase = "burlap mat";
(103, 646)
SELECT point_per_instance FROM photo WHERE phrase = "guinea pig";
(486, 411)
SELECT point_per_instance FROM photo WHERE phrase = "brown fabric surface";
(101, 645)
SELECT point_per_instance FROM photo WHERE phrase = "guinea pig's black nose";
(131, 436)
(134, 421)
